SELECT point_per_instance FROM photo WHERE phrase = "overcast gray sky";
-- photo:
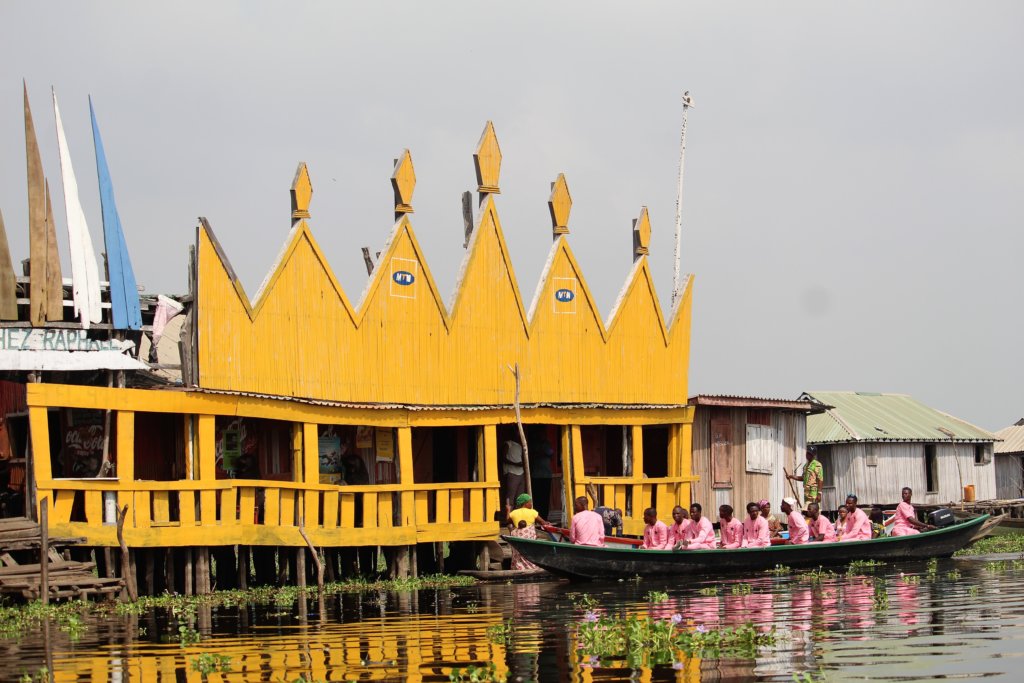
(854, 179)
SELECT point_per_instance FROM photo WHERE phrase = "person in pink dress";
(731, 529)
(681, 519)
(655, 533)
(587, 526)
(905, 520)
(701, 534)
(819, 527)
(755, 529)
(858, 525)
(798, 532)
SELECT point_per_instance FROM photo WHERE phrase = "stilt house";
(1009, 456)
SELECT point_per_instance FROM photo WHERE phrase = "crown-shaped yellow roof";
(400, 343)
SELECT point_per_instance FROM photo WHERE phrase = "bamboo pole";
(126, 567)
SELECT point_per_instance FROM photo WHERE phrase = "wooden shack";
(743, 445)
(1009, 457)
(874, 444)
(381, 422)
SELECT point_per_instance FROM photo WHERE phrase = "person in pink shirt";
(858, 526)
(730, 528)
(905, 520)
(682, 521)
(587, 526)
(798, 532)
(819, 528)
(701, 534)
(655, 533)
(755, 529)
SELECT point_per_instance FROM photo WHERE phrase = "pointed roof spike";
(641, 234)
(124, 292)
(560, 204)
(403, 182)
(302, 193)
(8, 293)
(487, 160)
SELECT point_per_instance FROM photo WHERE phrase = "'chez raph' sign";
(37, 339)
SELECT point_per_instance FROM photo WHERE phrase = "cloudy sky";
(854, 185)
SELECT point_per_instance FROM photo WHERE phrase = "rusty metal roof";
(865, 416)
(420, 407)
(729, 401)
(1013, 438)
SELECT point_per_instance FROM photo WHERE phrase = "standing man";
(813, 477)
(587, 526)
(512, 471)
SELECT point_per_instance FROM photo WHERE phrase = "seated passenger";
(681, 519)
(700, 535)
(731, 529)
(655, 533)
(587, 527)
(798, 533)
(858, 526)
(774, 525)
(904, 522)
(755, 528)
(840, 524)
(819, 528)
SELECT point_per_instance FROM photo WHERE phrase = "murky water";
(882, 624)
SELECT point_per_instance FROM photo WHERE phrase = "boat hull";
(587, 562)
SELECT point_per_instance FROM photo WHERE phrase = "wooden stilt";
(189, 575)
(243, 567)
(300, 567)
(149, 565)
(169, 569)
(126, 564)
(108, 562)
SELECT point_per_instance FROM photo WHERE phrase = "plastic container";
(969, 493)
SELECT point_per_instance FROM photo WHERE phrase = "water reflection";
(877, 626)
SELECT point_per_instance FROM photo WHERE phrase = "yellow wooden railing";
(264, 512)
(633, 495)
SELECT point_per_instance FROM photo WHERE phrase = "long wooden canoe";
(587, 562)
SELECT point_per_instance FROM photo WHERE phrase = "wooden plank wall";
(1009, 476)
(302, 336)
(903, 464)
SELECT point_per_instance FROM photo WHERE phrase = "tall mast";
(677, 277)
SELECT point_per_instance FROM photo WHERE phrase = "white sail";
(85, 279)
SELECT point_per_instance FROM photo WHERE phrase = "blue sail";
(124, 294)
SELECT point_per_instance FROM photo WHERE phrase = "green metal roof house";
(873, 445)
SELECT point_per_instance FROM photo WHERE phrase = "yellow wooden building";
(383, 422)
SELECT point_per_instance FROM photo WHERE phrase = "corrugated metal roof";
(1013, 439)
(418, 407)
(864, 416)
(730, 401)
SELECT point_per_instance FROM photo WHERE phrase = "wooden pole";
(467, 216)
(189, 576)
(522, 435)
(316, 561)
(126, 567)
(792, 486)
(44, 551)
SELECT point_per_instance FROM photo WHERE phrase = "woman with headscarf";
(522, 522)
(774, 526)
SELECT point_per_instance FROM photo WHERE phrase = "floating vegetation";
(880, 598)
(910, 579)
(779, 570)
(1006, 543)
(816, 576)
(651, 642)
(996, 566)
(500, 633)
(583, 601)
(208, 663)
(709, 590)
(67, 616)
(476, 674)
(742, 589)
(933, 569)
(953, 575)
(860, 565)
(656, 596)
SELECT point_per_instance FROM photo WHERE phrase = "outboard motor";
(941, 518)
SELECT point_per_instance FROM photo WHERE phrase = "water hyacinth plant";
(643, 641)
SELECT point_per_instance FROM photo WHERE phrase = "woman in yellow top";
(522, 522)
